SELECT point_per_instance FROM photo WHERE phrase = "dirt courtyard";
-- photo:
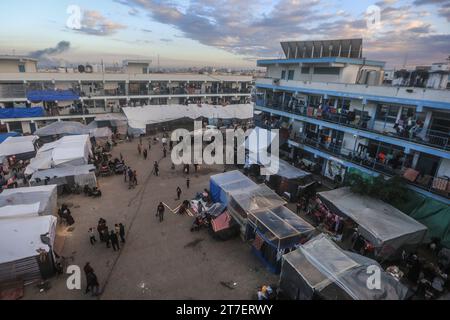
(159, 260)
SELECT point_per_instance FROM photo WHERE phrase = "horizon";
(219, 34)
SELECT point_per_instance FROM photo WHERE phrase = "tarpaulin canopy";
(46, 196)
(62, 128)
(67, 151)
(139, 117)
(320, 267)
(52, 95)
(386, 227)
(280, 226)
(285, 170)
(18, 145)
(10, 113)
(21, 237)
(218, 181)
(260, 197)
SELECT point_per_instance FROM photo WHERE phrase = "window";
(387, 113)
(21, 68)
(305, 70)
(291, 75)
(145, 70)
(283, 74)
(326, 70)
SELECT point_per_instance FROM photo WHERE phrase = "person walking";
(125, 174)
(156, 168)
(87, 268)
(178, 193)
(160, 212)
(106, 236)
(145, 154)
(92, 236)
(164, 152)
(117, 229)
(92, 283)
(188, 182)
(122, 232)
(135, 178)
(195, 167)
(114, 240)
(139, 148)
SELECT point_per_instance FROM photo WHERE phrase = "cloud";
(254, 28)
(133, 12)
(146, 30)
(60, 47)
(94, 23)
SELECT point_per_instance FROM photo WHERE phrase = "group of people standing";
(111, 238)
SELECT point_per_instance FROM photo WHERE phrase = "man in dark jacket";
(122, 232)
(114, 240)
(160, 212)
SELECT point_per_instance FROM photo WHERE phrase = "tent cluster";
(140, 117)
(65, 161)
(26, 219)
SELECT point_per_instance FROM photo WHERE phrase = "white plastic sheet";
(17, 145)
(46, 196)
(139, 117)
(383, 225)
(21, 237)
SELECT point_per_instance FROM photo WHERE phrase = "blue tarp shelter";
(4, 136)
(9, 113)
(52, 95)
(220, 183)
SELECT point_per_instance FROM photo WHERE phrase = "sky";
(220, 33)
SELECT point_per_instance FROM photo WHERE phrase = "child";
(92, 236)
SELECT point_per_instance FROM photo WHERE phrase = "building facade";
(340, 114)
(82, 93)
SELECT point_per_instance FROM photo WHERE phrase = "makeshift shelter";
(20, 210)
(256, 198)
(258, 144)
(68, 175)
(223, 183)
(319, 269)
(385, 227)
(67, 151)
(45, 196)
(275, 232)
(23, 254)
(5, 135)
(22, 148)
(139, 117)
(288, 180)
(117, 123)
(101, 135)
(62, 128)
(223, 227)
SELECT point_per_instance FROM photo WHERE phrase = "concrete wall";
(12, 66)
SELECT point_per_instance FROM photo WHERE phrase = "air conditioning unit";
(276, 82)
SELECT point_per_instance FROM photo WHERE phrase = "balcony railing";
(392, 167)
(361, 121)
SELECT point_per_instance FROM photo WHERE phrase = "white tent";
(17, 145)
(20, 210)
(81, 175)
(386, 227)
(67, 151)
(62, 128)
(21, 237)
(139, 117)
(46, 196)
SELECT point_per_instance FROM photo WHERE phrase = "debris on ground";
(229, 284)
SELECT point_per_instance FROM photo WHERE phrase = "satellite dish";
(81, 68)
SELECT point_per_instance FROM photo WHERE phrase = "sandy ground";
(159, 260)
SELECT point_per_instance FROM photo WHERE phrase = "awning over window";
(52, 95)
